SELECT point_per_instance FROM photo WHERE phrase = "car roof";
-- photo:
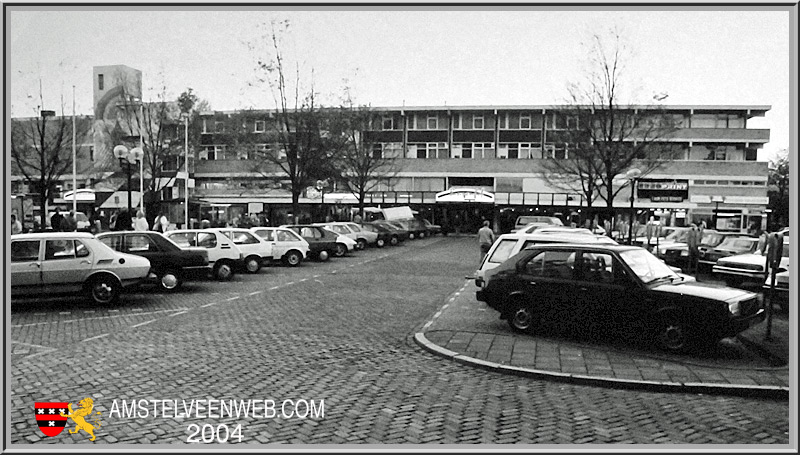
(585, 246)
(53, 235)
(214, 230)
(550, 236)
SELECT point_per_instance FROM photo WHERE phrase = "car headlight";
(684, 252)
(733, 308)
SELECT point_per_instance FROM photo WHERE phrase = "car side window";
(112, 241)
(81, 250)
(502, 251)
(598, 267)
(25, 250)
(354, 227)
(59, 249)
(206, 240)
(266, 234)
(183, 239)
(244, 238)
(283, 236)
(551, 264)
(137, 243)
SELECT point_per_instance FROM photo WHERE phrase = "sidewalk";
(470, 332)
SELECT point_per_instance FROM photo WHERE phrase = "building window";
(572, 122)
(91, 153)
(433, 122)
(219, 127)
(422, 151)
(242, 154)
(392, 150)
(260, 126)
(549, 151)
(513, 151)
(204, 153)
(205, 126)
(483, 149)
(388, 123)
(169, 163)
(525, 150)
(477, 123)
(377, 151)
(100, 82)
(719, 153)
(525, 122)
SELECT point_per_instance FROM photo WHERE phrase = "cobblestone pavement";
(341, 332)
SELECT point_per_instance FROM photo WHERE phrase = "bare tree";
(41, 150)
(603, 135)
(297, 149)
(363, 166)
(779, 190)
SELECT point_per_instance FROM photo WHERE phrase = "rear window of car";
(502, 251)
(241, 238)
(183, 239)
(137, 243)
(551, 264)
(266, 234)
(206, 240)
(287, 236)
(112, 241)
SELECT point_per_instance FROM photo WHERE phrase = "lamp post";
(127, 158)
(632, 175)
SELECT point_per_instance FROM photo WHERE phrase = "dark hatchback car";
(321, 242)
(399, 234)
(170, 264)
(615, 290)
(384, 235)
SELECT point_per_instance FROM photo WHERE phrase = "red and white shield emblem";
(48, 417)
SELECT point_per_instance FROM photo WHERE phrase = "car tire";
(673, 334)
(394, 240)
(252, 264)
(341, 250)
(380, 243)
(223, 271)
(362, 244)
(323, 255)
(422, 235)
(411, 236)
(293, 258)
(521, 318)
(169, 281)
(103, 290)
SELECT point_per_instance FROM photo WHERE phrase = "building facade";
(492, 156)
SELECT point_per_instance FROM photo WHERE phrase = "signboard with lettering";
(666, 198)
(663, 190)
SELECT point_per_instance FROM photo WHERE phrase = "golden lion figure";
(80, 416)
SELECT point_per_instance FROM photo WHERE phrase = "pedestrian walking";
(693, 242)
(485, 238)
(16, 226)
(56, 219)
(69, 224)
(161, 224)
(141, 223)
(124, 221)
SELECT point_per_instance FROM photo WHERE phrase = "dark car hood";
(703, 290)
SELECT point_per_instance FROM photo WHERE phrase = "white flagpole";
(74, 159)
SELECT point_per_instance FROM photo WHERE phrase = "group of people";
(63, 223)
(123, 221)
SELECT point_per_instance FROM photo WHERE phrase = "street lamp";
(127, 158)
(632, 175)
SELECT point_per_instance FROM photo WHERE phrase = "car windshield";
(646, 266)
(712, 238)
(679, 235)
(736, 243)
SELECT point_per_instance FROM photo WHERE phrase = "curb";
(778, 360)
(774, 392)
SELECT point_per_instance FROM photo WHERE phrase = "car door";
(601, 290)
(26, 266)
(285, 241)
(67, 263)
(143, 245)
(269, 236)
(546, 278)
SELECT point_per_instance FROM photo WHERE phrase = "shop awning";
(465, 195)
(82, 195)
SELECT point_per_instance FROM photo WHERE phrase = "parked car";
(616, 290)
(525, 220)
(287, 246)
(352, 231)
(322, 243)
(383, 234)
(224, 257)
(433, 229)
(640, 236)
(677, 254)
(256, 250)
(72, 262)
(739, 269)
(508, 245)
(170, 265)
(730, 246)
(399, 234)
(416, 228)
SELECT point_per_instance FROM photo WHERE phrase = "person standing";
(56, 219)
(693, 242)
(141, 223)
(16, 226)
(123, 222)
(69, 224)
(485, 238)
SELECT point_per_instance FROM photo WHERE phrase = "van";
(525, 220)
(508, 245)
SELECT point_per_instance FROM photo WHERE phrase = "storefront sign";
(663, 186)
(666, 199)
(663, 190)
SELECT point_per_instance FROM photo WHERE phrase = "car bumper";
(740, 324)
(722, 270)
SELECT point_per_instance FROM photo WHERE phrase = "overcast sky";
(416, 58)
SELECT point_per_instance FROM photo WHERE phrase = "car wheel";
(521, 318)
(673, 334)
(293, 258)
(394, 241)
(169, 281)
(223, 271)
(362, 244)
(422, 235)
(411, 236)
(103, 290)
(340, 250)
(252, 264)
(380, 243)
(323, 255)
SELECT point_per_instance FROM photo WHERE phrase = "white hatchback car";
(354, 231)
(68, 262)
(344, 244)
(287, 246)
(224, 257)
(256, 250)
(736, 270)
